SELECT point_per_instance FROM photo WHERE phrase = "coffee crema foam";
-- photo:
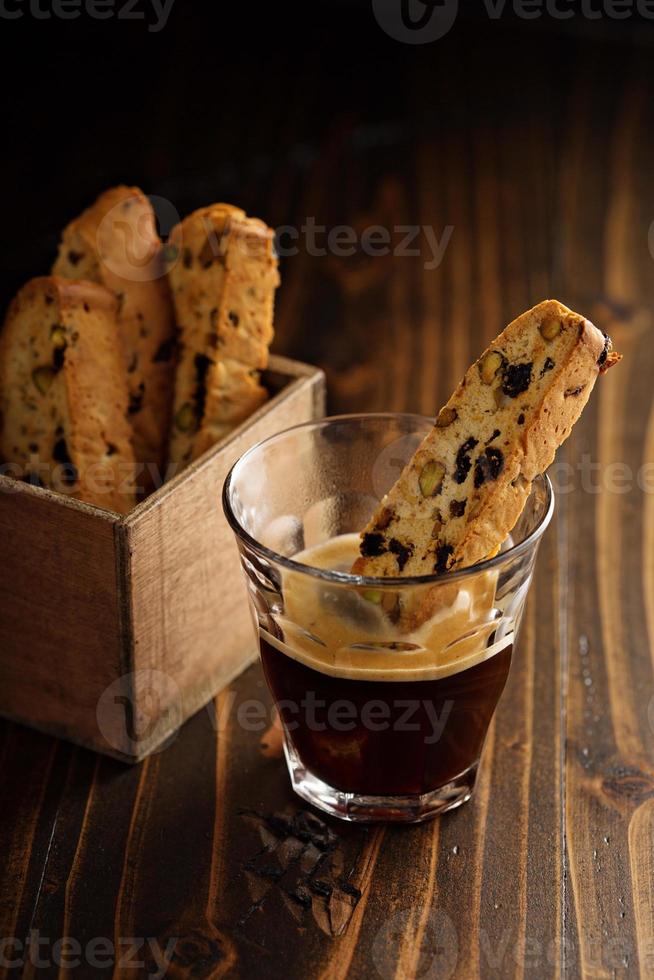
(345, 632)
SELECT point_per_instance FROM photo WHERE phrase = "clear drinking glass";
(385, 687)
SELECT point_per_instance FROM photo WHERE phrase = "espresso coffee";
(371, 707)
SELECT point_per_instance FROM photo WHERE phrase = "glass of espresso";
(385, 686)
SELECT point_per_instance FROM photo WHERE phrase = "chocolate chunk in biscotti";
(500, 428)
(115, 243)
(223, 280)
(63, 393)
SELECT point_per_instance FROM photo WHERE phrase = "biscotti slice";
(115, 242)
(465, 487)
(63, 393)
(223, 283)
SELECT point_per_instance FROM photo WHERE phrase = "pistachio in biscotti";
(58, 336)
(185, 419)
(490, 443)
(551, 327)
(431, 478)
(446, 417)
(489, 365)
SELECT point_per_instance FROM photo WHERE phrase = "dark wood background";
(534, 141)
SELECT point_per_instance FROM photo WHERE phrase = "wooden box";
(115, 629)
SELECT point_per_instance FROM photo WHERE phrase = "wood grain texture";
(548, 871)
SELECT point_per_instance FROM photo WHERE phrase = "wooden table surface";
(546, 179)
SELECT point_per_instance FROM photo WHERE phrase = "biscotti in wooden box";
(115, 628)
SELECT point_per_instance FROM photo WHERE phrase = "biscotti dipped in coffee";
(63, 393)
(115, 242)
(223, 283)
(464, 489)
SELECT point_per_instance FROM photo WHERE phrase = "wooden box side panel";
(189, 613)
(60, 631)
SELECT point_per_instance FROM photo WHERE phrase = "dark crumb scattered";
(133, 364)
(349, 889)
(402, 551)
(517, 378)
(521, 418)
(75, 257)
(463, 461)
(496, 433)
(111, 449)
(443, 553)
(233, 318)
(319, 887)
(570, 392)
(270, 871)
(302, 897)
(280, 825)
(547, 366)
(457, 508)
(605, 353)
(372, 545)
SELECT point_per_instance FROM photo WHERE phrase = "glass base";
(359, 808)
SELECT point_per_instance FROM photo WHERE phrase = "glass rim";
(369, 581)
